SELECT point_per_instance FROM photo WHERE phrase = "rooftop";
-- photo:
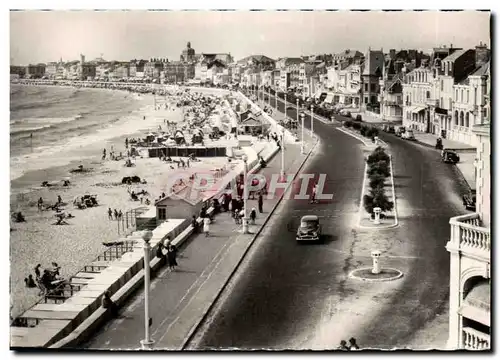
(454, 56)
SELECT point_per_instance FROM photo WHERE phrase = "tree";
(377, 155)
(379, 168)
(377, 198)
(377, 181)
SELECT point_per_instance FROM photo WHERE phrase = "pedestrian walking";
(253, 216)
(352, 344)
(116, 214)
(110, 214)
(40, 203)
(171, 257)
(206, 226)
(260, 202)
(120, 215)
(194, 224)
(160, 254)
(313, 196)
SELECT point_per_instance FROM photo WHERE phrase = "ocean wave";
(20, 126)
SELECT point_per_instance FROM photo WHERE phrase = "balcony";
(469, 236)
(475, 340)
(432, 102)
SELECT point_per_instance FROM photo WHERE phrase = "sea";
(52, 127)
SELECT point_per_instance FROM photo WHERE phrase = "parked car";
(469, 200)
(408, 135)
(399, 130)
(449, 156)
(309, 229)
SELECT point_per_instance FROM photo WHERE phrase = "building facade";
(372, 72)
(470, 264)
(417, 89)
(35, 71)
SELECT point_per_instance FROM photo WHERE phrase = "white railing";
(475, 340)
(469, 235)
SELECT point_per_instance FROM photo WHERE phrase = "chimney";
(482, 55)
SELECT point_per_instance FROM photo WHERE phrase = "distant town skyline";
(43, 36)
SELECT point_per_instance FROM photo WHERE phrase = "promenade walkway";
(180, 298)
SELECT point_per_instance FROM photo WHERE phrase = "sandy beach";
(74, 245)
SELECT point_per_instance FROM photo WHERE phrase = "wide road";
(300, 297)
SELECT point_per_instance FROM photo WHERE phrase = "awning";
(476, 305)
(417, 109)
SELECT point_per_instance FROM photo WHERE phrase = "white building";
(470, 265)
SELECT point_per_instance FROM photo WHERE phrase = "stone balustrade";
(475, 340)
(468, 235)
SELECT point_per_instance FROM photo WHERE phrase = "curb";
(352, 276)
(256, 235)
(396, 221)
(353, 135)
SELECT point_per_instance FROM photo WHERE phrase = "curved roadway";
(290, 296)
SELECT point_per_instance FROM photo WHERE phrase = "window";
(428, 95)
(441, 103)
(162, 213)
(366, 100)
(467, 96)
(462, 96)
(449, 104)
(372, 87)
(456, 95)
(442, 85)
(366, 87)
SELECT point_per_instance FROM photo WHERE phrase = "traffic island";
(385, 274)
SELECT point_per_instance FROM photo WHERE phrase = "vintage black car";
(309, 229)
(469, 201)
(449, 156)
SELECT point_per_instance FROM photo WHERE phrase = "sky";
(42, 36)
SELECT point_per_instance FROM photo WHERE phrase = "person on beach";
(59, 199)
(40, 203)
(206, 226)
(110, 214)
(126, 143)
(120, 215)
(104, 154)
(116, 214)
(343, 346)
(37, 271)
(29, 282)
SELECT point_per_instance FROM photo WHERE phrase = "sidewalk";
(181, 298)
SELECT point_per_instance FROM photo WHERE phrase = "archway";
(456, 117)
(467, 120)
(461, 118)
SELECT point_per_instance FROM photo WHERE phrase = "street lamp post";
(312, 121)
(297, 101)
(285, 111)
(282, 172)
(245, 195)
(147, 343)
(302, 116)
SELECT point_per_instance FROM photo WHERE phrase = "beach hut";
(197, 136)
(179, 137)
